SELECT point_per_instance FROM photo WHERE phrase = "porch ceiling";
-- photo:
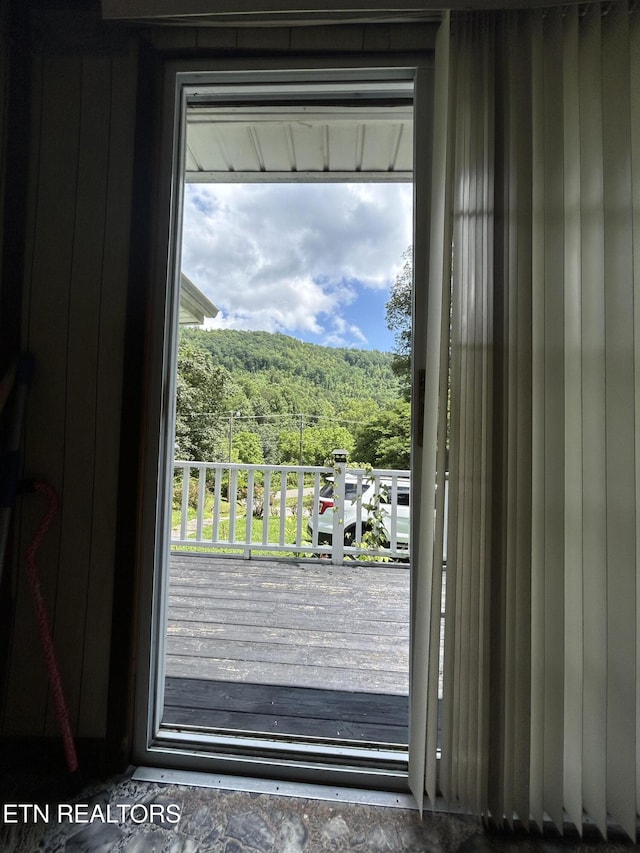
(301, 143)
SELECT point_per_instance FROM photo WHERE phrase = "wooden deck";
(288, 647)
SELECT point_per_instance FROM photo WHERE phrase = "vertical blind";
(540, 708)
(466, 682)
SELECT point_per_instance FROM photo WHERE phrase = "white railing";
(269, 509)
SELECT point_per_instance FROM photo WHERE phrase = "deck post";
(339, 476)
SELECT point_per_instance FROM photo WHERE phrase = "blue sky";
(314, 261)
(368, 312)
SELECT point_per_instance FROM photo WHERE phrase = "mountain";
(298, 376)
(257, 396)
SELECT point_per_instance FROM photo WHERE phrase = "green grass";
(273, 536)
(192, 514)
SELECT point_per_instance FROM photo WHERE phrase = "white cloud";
(343, 333)
(292, 257)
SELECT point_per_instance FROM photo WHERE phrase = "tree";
(398, 317)
(201, 387)
(247, 448)
(318, 443)
(353, 413)
(385, 441)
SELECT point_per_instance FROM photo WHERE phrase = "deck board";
(298, 711)
(294, 648)
(297, 624)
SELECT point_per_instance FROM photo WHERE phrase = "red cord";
(46, 638)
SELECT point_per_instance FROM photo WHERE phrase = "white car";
(392, 514)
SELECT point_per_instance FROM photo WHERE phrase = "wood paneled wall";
(4, 104)
(351, 38)
(76, 271)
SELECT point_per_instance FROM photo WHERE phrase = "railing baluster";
(315, 509)
(300, 507)
(233, 501)
(184, 512)
(393, 512)
(266, 507)
(217, 496)
(283, 506)
(359, 492)
(202, 474)
(249, 526)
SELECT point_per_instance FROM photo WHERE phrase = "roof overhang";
(194, 305)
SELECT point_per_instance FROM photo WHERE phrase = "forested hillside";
(301, 373)
(269, 397)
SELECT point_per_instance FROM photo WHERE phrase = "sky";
(314, 261)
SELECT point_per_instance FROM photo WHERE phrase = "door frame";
(241, 754)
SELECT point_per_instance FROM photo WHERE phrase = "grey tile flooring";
(140, 817)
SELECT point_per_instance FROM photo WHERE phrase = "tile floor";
(140, 817)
